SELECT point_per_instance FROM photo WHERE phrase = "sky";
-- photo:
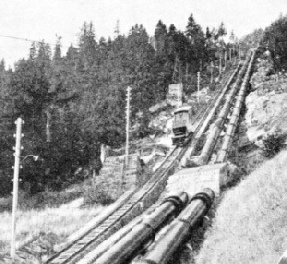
(47, 19)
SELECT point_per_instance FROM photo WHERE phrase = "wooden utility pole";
(177, 73)
(17, 154)
(238, 51)
(48, 125)
(186, 72)
(211, 72)
(198, 85)
(225, 59)
(128, 123)
(220, 64)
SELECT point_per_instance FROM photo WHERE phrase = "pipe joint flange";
(207, 196)
(176, 201)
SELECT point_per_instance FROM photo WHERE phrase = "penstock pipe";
(213, 136)
(179, 229)
(233, 122)
(144, 231)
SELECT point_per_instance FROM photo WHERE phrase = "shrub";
(92, 196)
(273, 143)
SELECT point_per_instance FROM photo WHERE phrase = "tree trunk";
(48, 125)
(186, 72)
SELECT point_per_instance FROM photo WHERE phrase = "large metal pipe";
(144, 231)
(180, 229)
(192, 148)
(227, 141)
(212, 137)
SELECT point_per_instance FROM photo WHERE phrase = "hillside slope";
(250, 225)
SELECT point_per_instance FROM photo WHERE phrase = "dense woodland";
(72, 103)
(275, 40)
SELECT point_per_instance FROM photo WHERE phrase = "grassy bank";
(250, 225)
(45, 227)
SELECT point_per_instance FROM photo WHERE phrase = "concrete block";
(193, 180)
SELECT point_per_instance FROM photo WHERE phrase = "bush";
(92, 196)
(273, 143)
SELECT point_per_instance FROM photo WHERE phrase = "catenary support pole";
(198, 85)
(128, 124)
(17, 154)
(220, 64)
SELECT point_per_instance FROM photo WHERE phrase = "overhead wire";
(34, 41)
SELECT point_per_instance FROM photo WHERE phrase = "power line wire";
(33, 41)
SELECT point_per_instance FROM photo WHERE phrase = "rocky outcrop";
(267, 112)
(267, 102)
(163, 121)
(262, 70)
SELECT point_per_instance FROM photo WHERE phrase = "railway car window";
(181, 116)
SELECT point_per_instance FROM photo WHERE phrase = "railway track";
(179, 230)
(135, 202)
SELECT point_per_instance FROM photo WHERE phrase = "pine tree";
(221, 31)
(88, 46)
(193, 30)
(33, 51)
(7, 128)
(208, 34)
(197, 50)
(161, 39)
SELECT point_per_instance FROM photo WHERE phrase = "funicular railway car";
(182, 125)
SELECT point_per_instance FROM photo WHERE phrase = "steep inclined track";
(179, 229)
(134, 201)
